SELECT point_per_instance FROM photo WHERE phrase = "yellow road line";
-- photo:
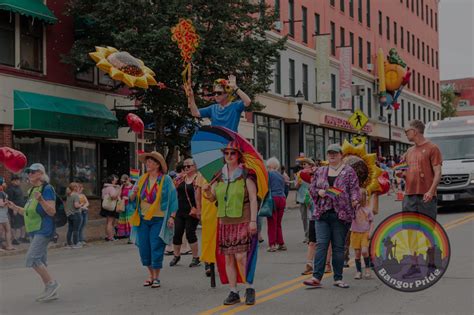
(274, 295)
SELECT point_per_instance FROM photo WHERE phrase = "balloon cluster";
(12, 159)
(185, 35)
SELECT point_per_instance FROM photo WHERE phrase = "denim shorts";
(38, 251)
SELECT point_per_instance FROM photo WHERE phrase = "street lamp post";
(389, 115)
(299, 97)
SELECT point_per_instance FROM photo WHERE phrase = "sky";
(456, 39)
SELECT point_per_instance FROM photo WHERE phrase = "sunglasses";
(218, 93)
(231, 153)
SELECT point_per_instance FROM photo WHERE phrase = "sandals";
(148, 282)
(271, 249)
(341, 284)
(156, 284)
(282, 247)
(313, 282)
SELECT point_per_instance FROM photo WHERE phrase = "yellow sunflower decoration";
(363, 164)
(122, 66)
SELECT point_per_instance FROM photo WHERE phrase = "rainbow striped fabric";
(333, 192)
(400, 166)
(134, 174)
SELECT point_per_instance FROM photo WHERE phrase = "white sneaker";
(367, 273)
(358, 275)
(49, 292)
(77, 246)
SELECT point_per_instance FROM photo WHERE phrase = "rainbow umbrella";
(206, 146)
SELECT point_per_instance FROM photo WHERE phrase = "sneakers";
(367, 273)
(77, 246)
(358, 275)
(175, 261)
(308, 270)
(49, 291)
(195, 262)
(232, 299)
(250, 296)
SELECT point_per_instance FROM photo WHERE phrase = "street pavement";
(106, 278)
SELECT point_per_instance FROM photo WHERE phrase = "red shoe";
(313, 282)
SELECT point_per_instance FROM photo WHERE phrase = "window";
(305, 81)
(31, 44)
(428, 119)
(437, 93)
(429, 87)
(408, 3)
(278, 75)
(317, 24)
(361, 53)
(333, 90)
(424, 86)
(353, 104)
(314, 141)
(7, 38)
(427, 55)
(368, 13)
(351, 8)
(409, 111)
(395, 113)
(413, 44)
(417, 7)
(402, 37)
(418, 48)
(419, 113)
(427, 22)
(432, 57)
(369, 53)
(269, 136)
(304, 24)
(395, 37)
(334, 136)
(276, 7)
(431, 21)
(332, 3)
(292, 77)
(403, 113)
(414, 111)
(418, 83)
(436, 60)
(359, 11)
(84, 169)
(388, 27)
(412, 6)
(380, 23)
(422, 11)
(316, 84)
(342, 5)
(333, 39)
(291, 17)
(424, 115)
(413, 77)
(436, 29)
(31, 147)
(423, 51)
(408, 41)
(361, 102)
(433, 88)
(58, 163)
(343, 36)
(438, 116)
(369, 102)
(351, 43)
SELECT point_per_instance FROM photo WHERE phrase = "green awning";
(34, 8)
(38, 112)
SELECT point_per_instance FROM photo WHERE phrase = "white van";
(455, 138)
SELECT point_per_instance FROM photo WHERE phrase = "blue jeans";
(150, 245)
(330, 229)
(74, 222)
(85, 217)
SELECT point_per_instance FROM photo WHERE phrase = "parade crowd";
(161, 211)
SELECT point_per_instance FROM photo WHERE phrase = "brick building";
(464, 89)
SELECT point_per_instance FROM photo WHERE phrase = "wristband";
(235, 92)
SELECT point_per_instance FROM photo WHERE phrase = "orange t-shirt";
(421, 160)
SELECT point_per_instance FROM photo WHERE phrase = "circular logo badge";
(410, 251)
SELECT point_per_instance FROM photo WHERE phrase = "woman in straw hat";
(154, 215)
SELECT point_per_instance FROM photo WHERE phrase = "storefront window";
(7, 38)
(31, 44)
(314, 137)
(269, 136)
(31, 148)
(85, 165)
(58, 163)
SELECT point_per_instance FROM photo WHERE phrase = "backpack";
(60, 218)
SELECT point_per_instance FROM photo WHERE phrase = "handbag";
(194, 211)
(109, 204)
(266, 209)
(120, 206)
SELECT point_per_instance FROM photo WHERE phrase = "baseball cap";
(334, 148)
(35, 167)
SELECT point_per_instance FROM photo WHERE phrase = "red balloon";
(12, 159)
(384, 183)
(306, 175)
(135, 123)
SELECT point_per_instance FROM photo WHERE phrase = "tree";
(233, 41)
(448, 96)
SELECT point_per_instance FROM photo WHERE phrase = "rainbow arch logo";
(410, 251)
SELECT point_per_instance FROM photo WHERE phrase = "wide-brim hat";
(156, 156)
(305, 160)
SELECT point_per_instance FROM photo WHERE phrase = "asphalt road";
(106, 278)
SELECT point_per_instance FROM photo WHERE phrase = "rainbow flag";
(400, 166)
(333, 192)
(134, 174)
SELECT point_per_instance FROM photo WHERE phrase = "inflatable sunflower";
(122, 66)
(364, 166)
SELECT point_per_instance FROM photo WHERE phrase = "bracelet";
(235, 92)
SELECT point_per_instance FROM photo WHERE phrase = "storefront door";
(114, 159)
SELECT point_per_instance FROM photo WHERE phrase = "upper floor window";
(368, 13)
(351, 8)
(380, 23)
(359, 11)
(291, 17)
(304, 24)
(388, 27)
(342, 5)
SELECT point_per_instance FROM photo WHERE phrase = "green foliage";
(233, 41)
(448, 96)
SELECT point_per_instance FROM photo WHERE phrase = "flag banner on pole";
(322, 69)
(134, 174)
(345, 78)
